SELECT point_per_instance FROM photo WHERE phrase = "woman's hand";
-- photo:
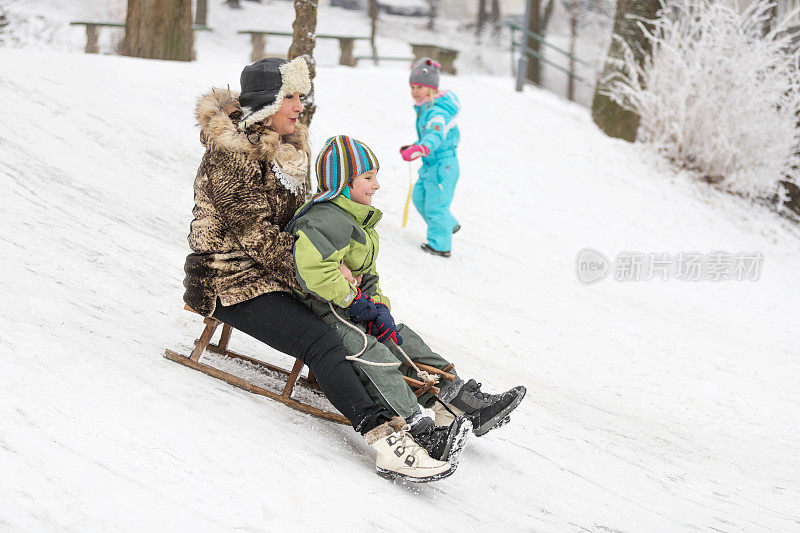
(348, 275)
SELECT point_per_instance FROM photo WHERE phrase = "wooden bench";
(446, 57)
(292, 376)
(258, 39)
(93, 30)
(376, 59)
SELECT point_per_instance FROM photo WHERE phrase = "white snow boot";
(399, 456)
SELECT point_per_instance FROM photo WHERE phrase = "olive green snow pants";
(385, 384)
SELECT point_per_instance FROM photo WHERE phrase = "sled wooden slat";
(225, 337)
(255, 389)
(419, 387)
(204, 343)
(287, 390)
(214, 348)
(201, 343)
(433, 370)
(293, 376)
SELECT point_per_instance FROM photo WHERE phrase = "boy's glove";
(362, 308)
(383, 327)
(414, 151)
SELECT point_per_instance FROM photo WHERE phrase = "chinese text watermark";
(592, 266)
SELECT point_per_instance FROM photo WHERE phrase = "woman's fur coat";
(239, 248)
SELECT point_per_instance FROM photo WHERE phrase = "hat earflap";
(294, 78)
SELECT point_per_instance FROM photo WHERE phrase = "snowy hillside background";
(652, 405)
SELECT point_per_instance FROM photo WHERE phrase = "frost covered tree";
(614, 119)
(717, 95)
(159, 29)
(304, 39)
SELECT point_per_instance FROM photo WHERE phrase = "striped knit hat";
(340, 160)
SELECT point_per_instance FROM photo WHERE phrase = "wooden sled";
(293, 375)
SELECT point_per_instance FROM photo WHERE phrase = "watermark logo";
(592, 266)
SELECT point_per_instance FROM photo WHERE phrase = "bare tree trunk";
(572, 8)
(304, 39)
(3, 17)
(610, 116)
(533, 23)
(481, 19)
(373, 21)
(494, 18)
(541, 22)
(433, 13)
(201, 13)
(159, 29)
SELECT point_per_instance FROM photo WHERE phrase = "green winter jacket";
(332, 232)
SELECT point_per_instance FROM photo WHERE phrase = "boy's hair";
(340, 160)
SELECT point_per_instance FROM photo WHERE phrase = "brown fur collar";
(218, 113)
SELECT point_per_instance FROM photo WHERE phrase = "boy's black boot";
(487, 411)
(444, 443)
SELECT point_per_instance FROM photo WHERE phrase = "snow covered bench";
(292, 376)
(258, 39)
(376, 59)
(446, 57)
(93, 30)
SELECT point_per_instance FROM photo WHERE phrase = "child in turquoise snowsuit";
(437, 139)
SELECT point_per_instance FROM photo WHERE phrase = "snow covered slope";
(652, 406)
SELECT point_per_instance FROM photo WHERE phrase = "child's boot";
(399, 456)
(486, 411)
(442, 443)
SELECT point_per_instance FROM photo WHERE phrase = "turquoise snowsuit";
(433, 192)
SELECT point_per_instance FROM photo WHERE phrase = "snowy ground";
(652, 405)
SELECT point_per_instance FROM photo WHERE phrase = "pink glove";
(413, 151)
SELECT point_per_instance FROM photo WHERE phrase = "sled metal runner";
(292, 376)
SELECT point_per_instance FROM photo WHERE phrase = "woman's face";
(284, 121)
(419, 92)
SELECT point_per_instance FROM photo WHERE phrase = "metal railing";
(524, 51)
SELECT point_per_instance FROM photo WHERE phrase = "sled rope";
(357, 356)
(424, 376)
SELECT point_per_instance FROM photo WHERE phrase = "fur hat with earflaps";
(266, 82)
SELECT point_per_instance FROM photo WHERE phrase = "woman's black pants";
(282, 322)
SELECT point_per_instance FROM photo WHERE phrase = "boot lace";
(409, 445)
(476, 391)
